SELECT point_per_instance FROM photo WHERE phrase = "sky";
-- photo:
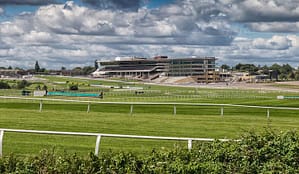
(75, 33)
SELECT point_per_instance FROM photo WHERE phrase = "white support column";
(88, 107)
(131, 110)
(97, 148)
(40, 106)
(189, 144)
(268, 113)
(174, 110)
(1, 141)
(221, 111)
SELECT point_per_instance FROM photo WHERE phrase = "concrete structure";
(10, 73)
(202, 70)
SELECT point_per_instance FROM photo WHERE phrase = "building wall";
(201, 70)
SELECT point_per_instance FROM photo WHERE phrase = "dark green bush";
(268, 152)
(73, 87)
(4, 85)
(22, 84)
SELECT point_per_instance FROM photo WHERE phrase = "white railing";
(153, 103)
(100, 135)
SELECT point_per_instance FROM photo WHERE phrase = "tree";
(37, 87)
(276, 67)
(96, 65)
(283, 77)
(18, 68)
(45, 88)
(22, 84)
(43, 70)
(286, 69)
(225, 66)
(265, 69)
(291, 76)
(250, 68)
(4, 85)
(73, 87)
(87, 70)
(36, 67)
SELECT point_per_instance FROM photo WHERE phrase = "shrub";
(22, 84)
(267, 152)
(45, 88)
(4, 85)
(73, 87)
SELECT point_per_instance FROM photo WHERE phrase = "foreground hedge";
(267, 152)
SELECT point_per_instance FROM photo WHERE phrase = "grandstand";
(202, 70)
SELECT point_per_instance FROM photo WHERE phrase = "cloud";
(274, 43)
(115, 4)
(1, 10)
(145, 26)
(279, 27)
(72, 35)
(260, 51)
(261, 10)
(262, 15)
(27, 2)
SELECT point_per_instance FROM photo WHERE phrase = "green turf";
(153, 120)
(201, 123)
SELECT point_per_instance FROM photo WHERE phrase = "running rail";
(100, 135)
(152, 103)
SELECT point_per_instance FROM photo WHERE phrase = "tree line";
(275, 71)
(37, 69)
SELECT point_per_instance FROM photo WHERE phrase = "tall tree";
(36, 67)
(225, 66)
(96, 65)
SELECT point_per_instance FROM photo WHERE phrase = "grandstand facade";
(202, 70)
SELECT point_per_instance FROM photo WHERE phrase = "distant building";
(202, 70)
(11, 73)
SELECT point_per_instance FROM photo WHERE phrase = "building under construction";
(201, 70)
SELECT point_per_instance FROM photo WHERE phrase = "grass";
(155, 120)
(198, 122)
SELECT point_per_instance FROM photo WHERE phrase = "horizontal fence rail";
(100, 135)
(174, 104)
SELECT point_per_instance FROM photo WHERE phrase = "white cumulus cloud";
(274, 43)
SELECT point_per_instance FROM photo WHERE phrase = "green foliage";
(45, 88)
(4, 85)
(36, 67)
(251, 68)
(22, 84)
(88, 69)
(38, 87)
(96, 65)
(225, 67)
(268, 152)
(73, 87)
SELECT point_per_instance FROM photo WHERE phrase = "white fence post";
(1, 141)
(222, 111)
(268, 113)
(174, 110)
(131, 110)
(88, 107)
(97, 148)
(189, 144)
(40, 106)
